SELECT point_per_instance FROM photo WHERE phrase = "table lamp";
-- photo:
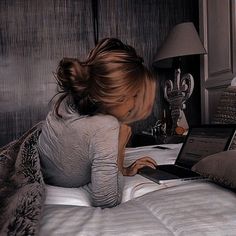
(182, 40)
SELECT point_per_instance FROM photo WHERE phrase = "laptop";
(201, 141)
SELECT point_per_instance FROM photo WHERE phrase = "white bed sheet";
(192, 208)
(134, 186)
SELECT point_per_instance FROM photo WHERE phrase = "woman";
(84, 137)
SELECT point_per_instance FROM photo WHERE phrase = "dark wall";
(35, 35)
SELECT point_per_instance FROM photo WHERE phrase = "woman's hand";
(137, 165)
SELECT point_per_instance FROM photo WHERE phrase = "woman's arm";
(106, 179)
(108, 151)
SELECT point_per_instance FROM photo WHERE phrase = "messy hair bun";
(73, 79)
(112, 71)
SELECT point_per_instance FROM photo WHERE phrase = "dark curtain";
(35, 35)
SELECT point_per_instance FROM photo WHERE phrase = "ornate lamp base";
(177, 94)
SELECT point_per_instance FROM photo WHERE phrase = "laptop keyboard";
(176, 170)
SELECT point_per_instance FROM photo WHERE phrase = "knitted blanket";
(22, 189)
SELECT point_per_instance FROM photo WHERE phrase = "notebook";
(201, 141)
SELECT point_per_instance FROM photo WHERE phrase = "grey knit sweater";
(80, 150)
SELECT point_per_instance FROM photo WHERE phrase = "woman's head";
(112, 74)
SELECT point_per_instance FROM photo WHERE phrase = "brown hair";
(111, 71)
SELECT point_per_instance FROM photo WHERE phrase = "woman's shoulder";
(103, 120)
(72, 120)
(96, 125)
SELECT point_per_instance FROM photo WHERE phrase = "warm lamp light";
(182, 40)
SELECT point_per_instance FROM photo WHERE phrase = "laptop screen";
(203, 141)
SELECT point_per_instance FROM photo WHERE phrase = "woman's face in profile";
(122, 110)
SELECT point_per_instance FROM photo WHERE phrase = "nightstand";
(142, 140)
(145, 140)
(175, 139)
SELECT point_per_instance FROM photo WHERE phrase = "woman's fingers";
(140, 163)
(143, 164)
(136, 167)
(147, 159)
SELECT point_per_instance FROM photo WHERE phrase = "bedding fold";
(22, 189)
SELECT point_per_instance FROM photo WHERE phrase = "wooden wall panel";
(35, 35)
(217, 23)
(219, 38)
(213, 100)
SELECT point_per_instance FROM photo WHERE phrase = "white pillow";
(67, 196)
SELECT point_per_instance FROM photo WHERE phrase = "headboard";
(226, 109)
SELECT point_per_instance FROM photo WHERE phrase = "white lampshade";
(182, 40)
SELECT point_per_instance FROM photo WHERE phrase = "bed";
(197, 207)
(29, 207)
(201, 207)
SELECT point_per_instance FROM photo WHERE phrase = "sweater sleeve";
(106, 181)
